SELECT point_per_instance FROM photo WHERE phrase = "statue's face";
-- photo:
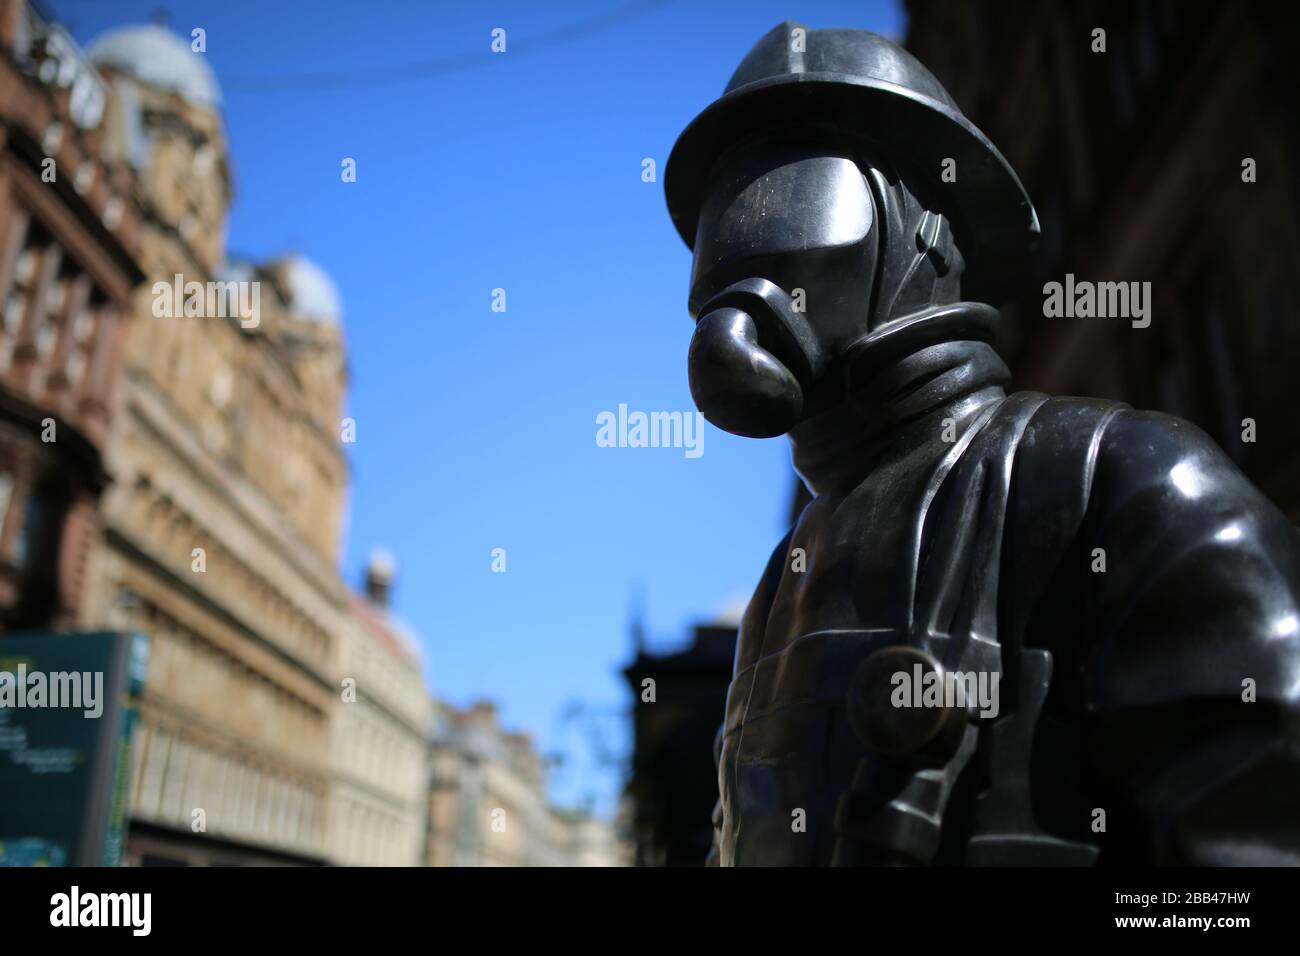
(796, 230)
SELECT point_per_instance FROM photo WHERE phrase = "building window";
(29, 533)
(15, 307)
(83, 327)
(6, 493)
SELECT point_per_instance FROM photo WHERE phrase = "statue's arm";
(1190, 673)
(748, 644)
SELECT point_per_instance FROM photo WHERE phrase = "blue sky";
(476, 429)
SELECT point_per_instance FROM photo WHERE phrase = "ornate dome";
(157, 56)
(382, 566)
(312, 293)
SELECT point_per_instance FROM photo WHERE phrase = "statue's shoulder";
(1065, 420)
(1202, 572)
(1143, 456)
(1154, 475)
(1118, 451)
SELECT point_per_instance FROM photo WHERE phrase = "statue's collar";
(902, 380)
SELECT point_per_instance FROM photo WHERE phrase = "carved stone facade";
(69, 244)
(488, 804)
(223, 518)
(195, 492)
(377, 803)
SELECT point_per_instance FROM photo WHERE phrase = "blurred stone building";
(283, 718)
(222, 521)
(674, 783)
(70, 238)
(377, 805)
(1138, 159)
(488, 804)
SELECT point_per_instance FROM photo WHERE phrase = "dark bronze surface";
(1132, 597)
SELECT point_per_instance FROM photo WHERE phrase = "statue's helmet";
(846, 88)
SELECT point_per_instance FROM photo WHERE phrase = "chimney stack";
(379, 577)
